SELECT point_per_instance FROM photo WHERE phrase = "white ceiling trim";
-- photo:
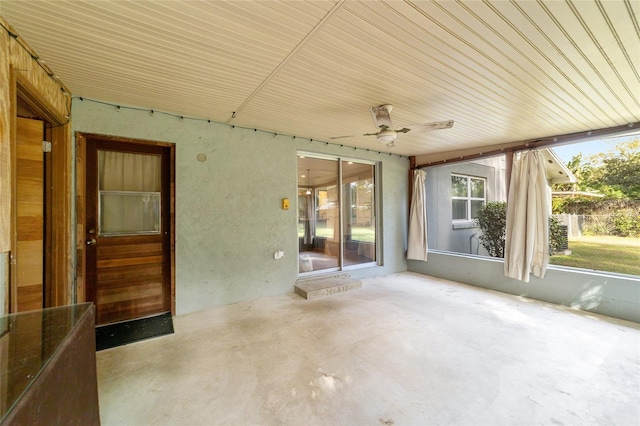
(505, 71)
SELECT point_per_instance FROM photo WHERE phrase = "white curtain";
(528, 210)
(418, 218)
(310, 223)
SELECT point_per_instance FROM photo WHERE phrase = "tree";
(621, 170)
(615, 174)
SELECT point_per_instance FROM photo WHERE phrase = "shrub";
(492, 220)
(626, 223)
(559, 205)
(557, 236)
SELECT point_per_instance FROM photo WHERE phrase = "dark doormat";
(122, 333)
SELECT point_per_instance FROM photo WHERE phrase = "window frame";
(468, 198)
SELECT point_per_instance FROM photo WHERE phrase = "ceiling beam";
(493, 150)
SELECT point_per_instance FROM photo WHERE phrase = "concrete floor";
(404, 349)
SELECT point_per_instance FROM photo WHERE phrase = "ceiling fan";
(386, 135)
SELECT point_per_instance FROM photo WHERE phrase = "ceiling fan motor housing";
(380, 115)
(386, 133)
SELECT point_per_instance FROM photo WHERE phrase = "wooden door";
(27, 269)
(128, 229)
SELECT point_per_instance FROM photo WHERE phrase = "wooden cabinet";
(48, 367)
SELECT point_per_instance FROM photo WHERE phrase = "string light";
(154, 113)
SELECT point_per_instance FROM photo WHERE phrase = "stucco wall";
(612, 295)
(229, 219)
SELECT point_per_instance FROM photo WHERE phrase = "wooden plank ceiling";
(505, 71)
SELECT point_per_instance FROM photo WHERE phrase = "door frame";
(341, 268)
(81, 218)
(58, 264)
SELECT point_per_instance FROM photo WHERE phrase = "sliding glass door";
(358, 207)
(336, 214)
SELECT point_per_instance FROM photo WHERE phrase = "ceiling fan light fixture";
(387, 137)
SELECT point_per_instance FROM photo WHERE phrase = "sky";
(567, 152)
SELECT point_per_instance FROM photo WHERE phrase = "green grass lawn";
(359, 233)
(602, 253)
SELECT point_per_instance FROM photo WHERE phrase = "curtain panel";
(310, 223)
(418, 248)
(528, 211)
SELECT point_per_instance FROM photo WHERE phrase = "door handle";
(91, 242)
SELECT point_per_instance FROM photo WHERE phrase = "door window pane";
(129, 193)
(141, 211)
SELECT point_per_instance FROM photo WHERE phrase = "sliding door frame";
(377, 212)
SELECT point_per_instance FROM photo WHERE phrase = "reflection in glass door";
(336, 214)
(358, 207)
(318, 215)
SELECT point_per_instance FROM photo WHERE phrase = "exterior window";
(467, 197)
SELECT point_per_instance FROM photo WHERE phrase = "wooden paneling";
(129, 261)
(62, 256)
(43, 94)
(30, 297)
(129, 278)
(29, 261)
(127, 250)
(30, 228)
(23, 77)
(80, 251)
(29, 215)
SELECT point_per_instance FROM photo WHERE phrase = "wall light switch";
(285, 204)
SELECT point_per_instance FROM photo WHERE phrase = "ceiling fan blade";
(425, 127)
(353, 136)
(381, 117)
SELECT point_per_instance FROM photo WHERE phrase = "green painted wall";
(616, 296)
(229, 219)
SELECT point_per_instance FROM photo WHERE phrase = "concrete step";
(327, 286)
